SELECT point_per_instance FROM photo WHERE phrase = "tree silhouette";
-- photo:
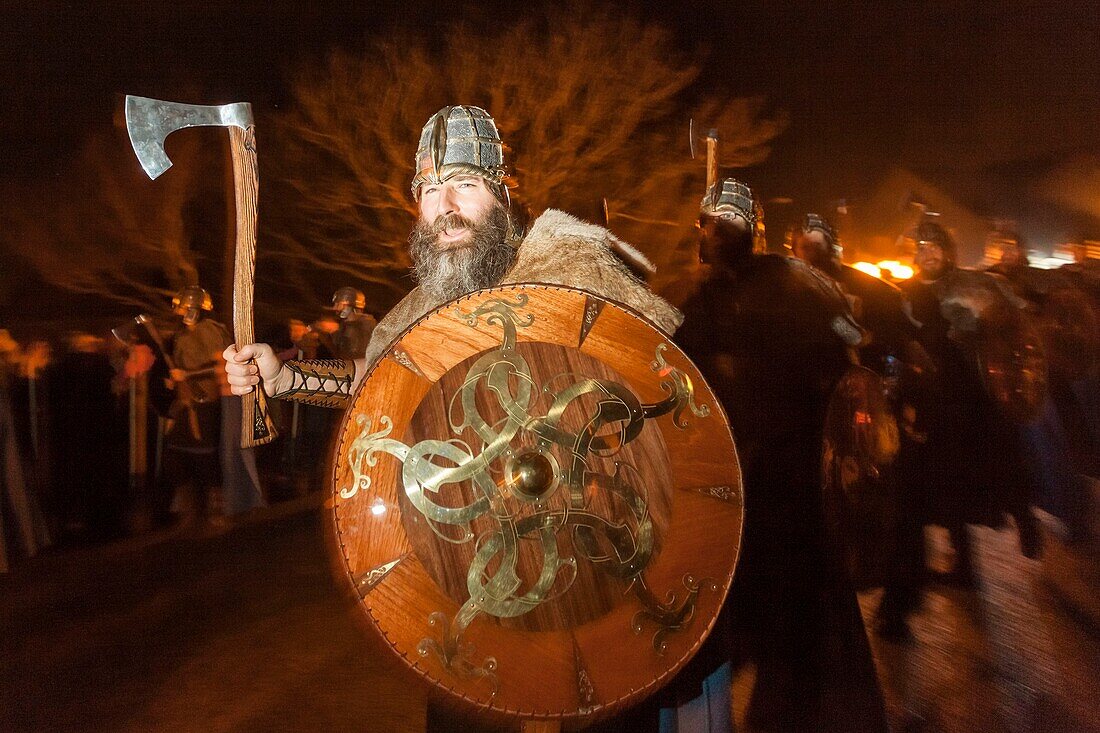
(589, 111)
(105, 229)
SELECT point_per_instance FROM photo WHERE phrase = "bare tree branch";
(106, 230)
(588, 110)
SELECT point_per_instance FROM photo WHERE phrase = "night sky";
(989, 101)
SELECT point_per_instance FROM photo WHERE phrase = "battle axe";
(712, 152)
(149, 122)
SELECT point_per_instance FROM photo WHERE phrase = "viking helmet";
(346, 300)
(929, 232)
(460, 140)
(730, 198)
(189, 301)
(818, 223)
(193, 296)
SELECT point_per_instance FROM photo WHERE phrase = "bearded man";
(971, 467)
(772, 336)
(469, 236)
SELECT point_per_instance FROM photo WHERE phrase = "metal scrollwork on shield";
(681, 392)
(515, 465)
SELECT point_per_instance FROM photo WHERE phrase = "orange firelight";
(885, 269)
(872, 270)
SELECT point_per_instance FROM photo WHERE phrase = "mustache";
(448, 221)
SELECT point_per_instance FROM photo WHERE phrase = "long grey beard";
(449, 274)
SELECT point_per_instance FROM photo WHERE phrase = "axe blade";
(150, 121)
(124, 333)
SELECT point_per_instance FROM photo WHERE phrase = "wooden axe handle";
(712, 160)
(256, 425)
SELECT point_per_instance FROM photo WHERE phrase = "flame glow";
(897, 270)
(885, 270)
(872, 270)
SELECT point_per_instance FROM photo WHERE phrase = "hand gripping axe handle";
(149, 122)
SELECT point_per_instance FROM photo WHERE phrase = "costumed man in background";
(877, 305)
(20, 513)
(309, 429)
(1069, 324)
(1084, 432)
(207, 416)
(469, 235)
(1008, 248)
(971, 467)
(773, 336)
(889, 542)
(354, 327)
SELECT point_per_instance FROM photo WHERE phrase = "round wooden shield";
(1014, 369)
(860, 443)
(538, 501)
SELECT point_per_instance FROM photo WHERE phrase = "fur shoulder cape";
(559, 249)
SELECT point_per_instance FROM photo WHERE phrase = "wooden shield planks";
(538, 502)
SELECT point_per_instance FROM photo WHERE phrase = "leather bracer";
(321, 382)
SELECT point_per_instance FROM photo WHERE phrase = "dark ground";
(246, 631)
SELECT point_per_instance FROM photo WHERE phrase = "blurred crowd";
(118, 433)
(109, 435)
(991, 376)
(864, 410)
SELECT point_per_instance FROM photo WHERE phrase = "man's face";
(930, 260)
(345, 309)
(463, 199)
(458, 245)
(811, 247)
(724, 238)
